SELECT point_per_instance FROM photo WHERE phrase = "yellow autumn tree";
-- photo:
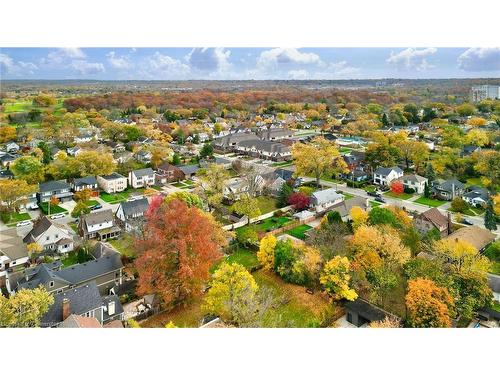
(317, 158)
(359, 217)
(477, 137)
(265, 255)
(383, 240)
(476, 121)
(401, 215)
(335, 279)
(462, 255)
(496, 204)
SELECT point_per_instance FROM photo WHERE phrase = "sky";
(248, 63)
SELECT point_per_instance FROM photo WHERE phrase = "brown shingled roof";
(435, 217)
(476, 236)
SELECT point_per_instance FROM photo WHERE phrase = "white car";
(57, 216)
(23, 223)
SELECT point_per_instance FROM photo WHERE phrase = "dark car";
(96, 206)
(380, 199)
(467, 221)
(373, 194)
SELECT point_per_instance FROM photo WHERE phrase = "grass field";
(299, 232)
(44, 206)
(19, 106)
(245, 257)
(375, 204)
(474, 181)
(402, 196)
(429, 202)
(282, 164)
(124, 245)
(114, 198)
(269, 224)
(15, 217)
(91, 203)
(347, 196)
(266, 204)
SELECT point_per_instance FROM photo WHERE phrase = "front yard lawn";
(375, 204)
(114, 198)
(429, 202)
(245, 257)
(14, 217)
(124, 245)
(299, 232)
(266, 204)
(398, 196)
(44, 206)
(370, 188)
(91, 203)
(347, 196)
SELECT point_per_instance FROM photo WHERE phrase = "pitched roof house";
(432, 219)
(131, 213)
(13, 253)
(59, 189)
(415, 182)
(141, 178)
(384, 176)
(98, 224)
(476, 236)
(264, 149)
(168, 173)
(448, 189)
(112, 183)
(322, 200)
(52, 237)
(89, 182)
(476, 196)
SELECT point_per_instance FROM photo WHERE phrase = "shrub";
(334, 217)
(459, 205)
(299, 200)
(397, 187)
(409, 190)
(246, 236)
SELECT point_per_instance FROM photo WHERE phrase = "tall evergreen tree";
(430, 173)
(490, 221)
(427, 191)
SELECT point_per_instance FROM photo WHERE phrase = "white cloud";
(480, 59)
(159, 66)
(62, 55)
(209, 59)
(278, 56)
(412, 58)
(9, 66)
(84, 67)
(119, 62)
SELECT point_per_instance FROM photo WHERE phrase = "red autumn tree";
(180, 244)
(397, 187)
(299, 200)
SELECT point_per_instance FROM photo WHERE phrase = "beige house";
(112, 183)
(432, 219)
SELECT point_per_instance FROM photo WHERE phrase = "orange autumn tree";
(428, 305)
(397, 187)
(179, 245)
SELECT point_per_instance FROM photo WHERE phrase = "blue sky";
(248, 63)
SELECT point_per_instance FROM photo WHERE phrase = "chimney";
(65, 309)
(111, 308)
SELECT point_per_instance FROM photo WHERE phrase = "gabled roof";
(327, 195)
(81, 300)
(385, 171)
(11, 245)
(137, 206)
(53, 185)
(189, 169)
(285, 174)
(40, 227)
(78, 321)
(413, 178)
(92, 269)
(83, 181)
(435, 217)
(42, 274)
(113, 176)
(447, 185)
(143, 172)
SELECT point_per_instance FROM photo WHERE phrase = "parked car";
(373, 194)
(380, 199)
(32, 206)
(23, 223)
(96, 207)
(57, 216)
(467, 222)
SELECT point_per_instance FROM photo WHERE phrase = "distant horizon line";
(246, 80)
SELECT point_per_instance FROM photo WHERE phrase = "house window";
(47, 238)
(51, 284)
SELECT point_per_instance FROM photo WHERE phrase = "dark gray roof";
(385, 171)
(53, 185)
(137, 206)
(97, 217)
(42, 274)
(189, 169)
(478, 192)
(118, 307)
(113, 176)
(447, 185)
(366, 310)
(494, 282)
(285, 174)
(81, 300)
(268, 146)
(89, 180)
(39, 228)
(80, 273)
(102, 249)
(143, 172)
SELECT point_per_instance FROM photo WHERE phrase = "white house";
(130, 213)
(415, 182)
(53, 237)
(476, 196)
(141, 178)
(324, 199)
(99, 224)
(384, 176)
(12, 147)
(112, 183)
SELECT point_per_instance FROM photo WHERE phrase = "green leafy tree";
(25, 308)
(490, 221)
(206, 151)
(247, 206)
(285, 192)
(28, 168)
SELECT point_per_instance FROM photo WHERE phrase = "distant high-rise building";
(482, 92)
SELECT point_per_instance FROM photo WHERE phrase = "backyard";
(269, 224)
(299, 231)
(245, 257)
(124, 245)
(266, 204)
(76, 257)
(429, 202)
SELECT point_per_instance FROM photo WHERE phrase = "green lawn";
(124, 245)
(496, 306)
(91, 203)
(375, 204)
(282, 164)
(15, 217)
(76, 257)
(44, 206)
(114, 198)
(245, 257)
(299, 232)
(474, 181)
(398, 196)
(347, 196)
(20, 106)
(269, 224)
(369, 188)
(74, 226)
(429, 202)
(471, 211)
(266, 204)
